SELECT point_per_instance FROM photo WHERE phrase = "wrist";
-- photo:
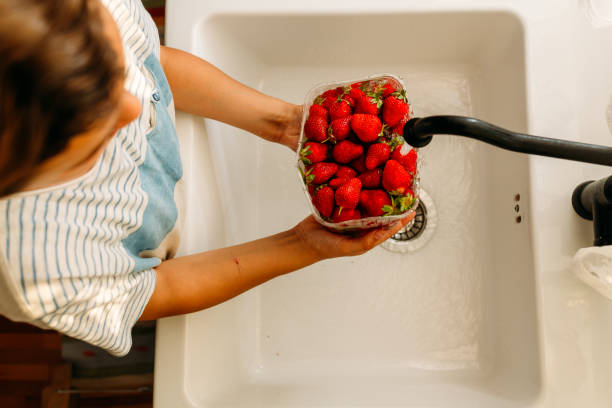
(283, 121)
(302, 236)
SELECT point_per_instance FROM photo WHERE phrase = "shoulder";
(138, 31)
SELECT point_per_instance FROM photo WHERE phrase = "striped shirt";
(79, 257)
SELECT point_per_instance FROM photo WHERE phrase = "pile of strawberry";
(356, 162)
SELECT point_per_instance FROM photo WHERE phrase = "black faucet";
(591, 200)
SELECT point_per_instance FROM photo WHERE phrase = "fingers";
(380, 235)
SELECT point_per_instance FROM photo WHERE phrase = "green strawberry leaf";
(404, 202)
(339, 210)
(382, 130)
(388, 210)
(305, 152)
(401, 95)
(318, 100)
(396, 140)
(309, 178)
(306, 161)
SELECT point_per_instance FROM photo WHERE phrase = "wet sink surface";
(452, 322)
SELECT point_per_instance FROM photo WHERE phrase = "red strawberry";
(406, 156)
(373, 201)
(337, 182)
(395, 178)
(399, 128)
(367, 127)
(330, 92)
(346, 151)
(313, 152)
(347, 195)
(339, 109)
(319, 173)
(345, 215)
(371, 178)
(349, 99)
(327, 98)
(368, 104)
(311, 189)
(339, 128)
(356, 85)
(359, 164)
(315, 128)
(356, 94)
(345, 172)
(386, 90)
(395, 108)
(317, 110)
(378, 153)
(323, 200)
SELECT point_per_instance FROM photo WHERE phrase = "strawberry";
(356, 85)
(345, 215)
(311, 189)
(337, 182)
(346, 151)
(373, 201)
(313, 152)
(356, 94)
(318, 110)
(368, 104)
(395, 108)
(348, 98)
(319, 173)
(378, 153)
(323, 201)
(367, 127)
(330, 93)
(399, 128)
(386, 89)
(359, 164)
(339, 128)
(315, 128)
(347, 195)
(371, 178)
(395, 179)
(327, 98)
(339, 109)
(346, 172)
(406, 156)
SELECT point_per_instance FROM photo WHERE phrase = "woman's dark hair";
(58, 73)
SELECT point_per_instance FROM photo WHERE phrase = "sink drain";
(419, 231)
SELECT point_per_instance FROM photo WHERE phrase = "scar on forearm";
(237, 262)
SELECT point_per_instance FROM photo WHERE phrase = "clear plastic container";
(366, 222)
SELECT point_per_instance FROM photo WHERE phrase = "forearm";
(191, 283)
(202, 89)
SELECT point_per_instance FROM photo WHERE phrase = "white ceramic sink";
(486, 314)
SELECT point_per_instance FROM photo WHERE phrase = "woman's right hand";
(324, 244)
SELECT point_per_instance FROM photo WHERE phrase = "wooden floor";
(33, 374)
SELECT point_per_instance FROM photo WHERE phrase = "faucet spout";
(418, 132)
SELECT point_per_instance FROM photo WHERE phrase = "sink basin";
(455, 323)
